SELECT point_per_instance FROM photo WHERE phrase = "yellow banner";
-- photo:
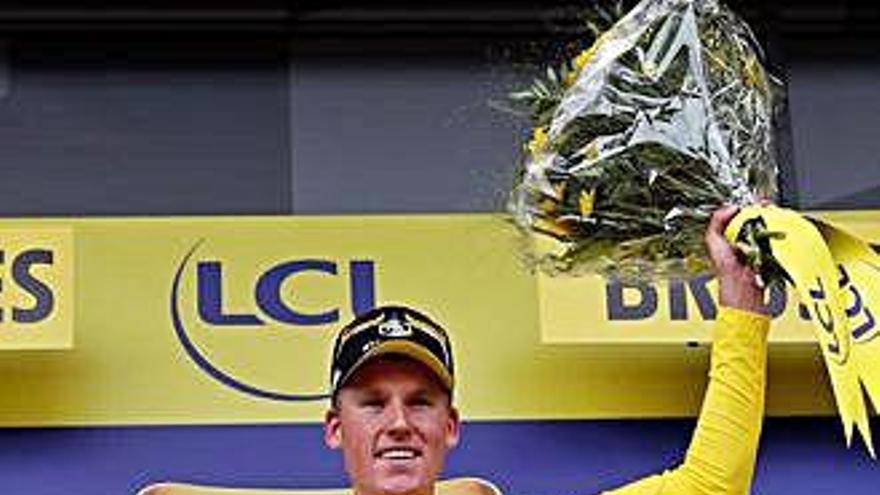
(812, 270)
(858, 284)
(36, 288)
(218, 320)
(590, 310)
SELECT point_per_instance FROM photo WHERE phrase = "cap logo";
(395, 329)
(391, 326)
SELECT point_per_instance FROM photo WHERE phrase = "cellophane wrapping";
(637, 140)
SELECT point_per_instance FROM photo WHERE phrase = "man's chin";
(404, 485)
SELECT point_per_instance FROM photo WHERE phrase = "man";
(392, 382)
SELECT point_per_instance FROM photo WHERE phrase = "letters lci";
(44, 299)
(268, 297)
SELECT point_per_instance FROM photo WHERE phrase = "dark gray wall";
(127, 127)
(147, 123)
(835, 118)
(383, 128)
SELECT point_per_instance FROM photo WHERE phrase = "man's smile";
(398, 453)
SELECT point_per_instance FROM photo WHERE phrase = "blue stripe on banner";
(799, 456)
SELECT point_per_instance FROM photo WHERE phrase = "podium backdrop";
(200, 345)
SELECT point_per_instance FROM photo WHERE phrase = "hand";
(737, 283)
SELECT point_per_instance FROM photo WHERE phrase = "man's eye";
(422, 402)
(372, 404)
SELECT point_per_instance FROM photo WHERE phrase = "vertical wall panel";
(383, 128)
(118, 126)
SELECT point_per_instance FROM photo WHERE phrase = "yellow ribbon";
(837, 277)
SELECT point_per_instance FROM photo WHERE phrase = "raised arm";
(721, 456)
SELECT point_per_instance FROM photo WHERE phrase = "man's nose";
(398, 421)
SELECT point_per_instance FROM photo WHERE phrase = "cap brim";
(405, 348)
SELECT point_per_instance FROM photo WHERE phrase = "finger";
(720, 251)
(720, 219)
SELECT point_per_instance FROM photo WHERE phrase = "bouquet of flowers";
(641, 137)
(638, 139)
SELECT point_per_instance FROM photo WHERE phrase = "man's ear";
(453, 428)
(332, 429)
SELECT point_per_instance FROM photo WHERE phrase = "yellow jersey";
(721, 457)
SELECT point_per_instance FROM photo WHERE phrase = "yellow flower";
(753, 73)
(585, 202)
(539, 140)
(552, 227)
(581, 61)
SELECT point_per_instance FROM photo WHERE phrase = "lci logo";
(243, 349)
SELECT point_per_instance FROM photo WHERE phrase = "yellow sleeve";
(721, 457)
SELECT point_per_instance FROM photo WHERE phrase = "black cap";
(391, 330)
